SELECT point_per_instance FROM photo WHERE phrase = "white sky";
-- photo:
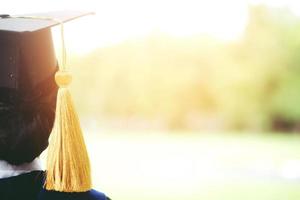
(118, 20)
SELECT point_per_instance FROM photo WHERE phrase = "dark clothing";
(90, 195)
(23, 187)
(29, 186)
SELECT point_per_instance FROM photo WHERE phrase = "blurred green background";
(171, 166)
(198, 82)
(196, 117)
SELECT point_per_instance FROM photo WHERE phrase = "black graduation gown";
(29, 186)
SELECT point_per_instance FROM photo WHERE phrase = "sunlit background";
(186, 99)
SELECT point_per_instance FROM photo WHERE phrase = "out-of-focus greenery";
(221, 166)
(199, 82)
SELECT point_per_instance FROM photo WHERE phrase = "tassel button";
(63, 78)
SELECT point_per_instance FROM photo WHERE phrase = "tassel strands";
(68, 166)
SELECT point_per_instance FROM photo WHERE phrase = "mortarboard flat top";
(12, 24)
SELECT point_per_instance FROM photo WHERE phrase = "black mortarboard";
(26, 48)
(27, 68)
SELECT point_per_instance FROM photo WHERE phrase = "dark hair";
(26, 120)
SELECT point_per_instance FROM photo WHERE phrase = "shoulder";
(24, 186)
(94, 194)
(89, 195)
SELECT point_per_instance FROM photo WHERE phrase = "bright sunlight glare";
(117, 20)
(135, 18)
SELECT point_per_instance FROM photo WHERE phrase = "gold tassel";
(68, 165)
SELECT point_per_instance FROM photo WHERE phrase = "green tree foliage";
(252, 83)
(270, 49)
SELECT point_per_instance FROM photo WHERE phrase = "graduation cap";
(27, 62)
(26, 47)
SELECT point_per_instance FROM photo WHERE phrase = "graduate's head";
(27, 92)
(35, 101)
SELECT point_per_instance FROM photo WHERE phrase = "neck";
(9, 170)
